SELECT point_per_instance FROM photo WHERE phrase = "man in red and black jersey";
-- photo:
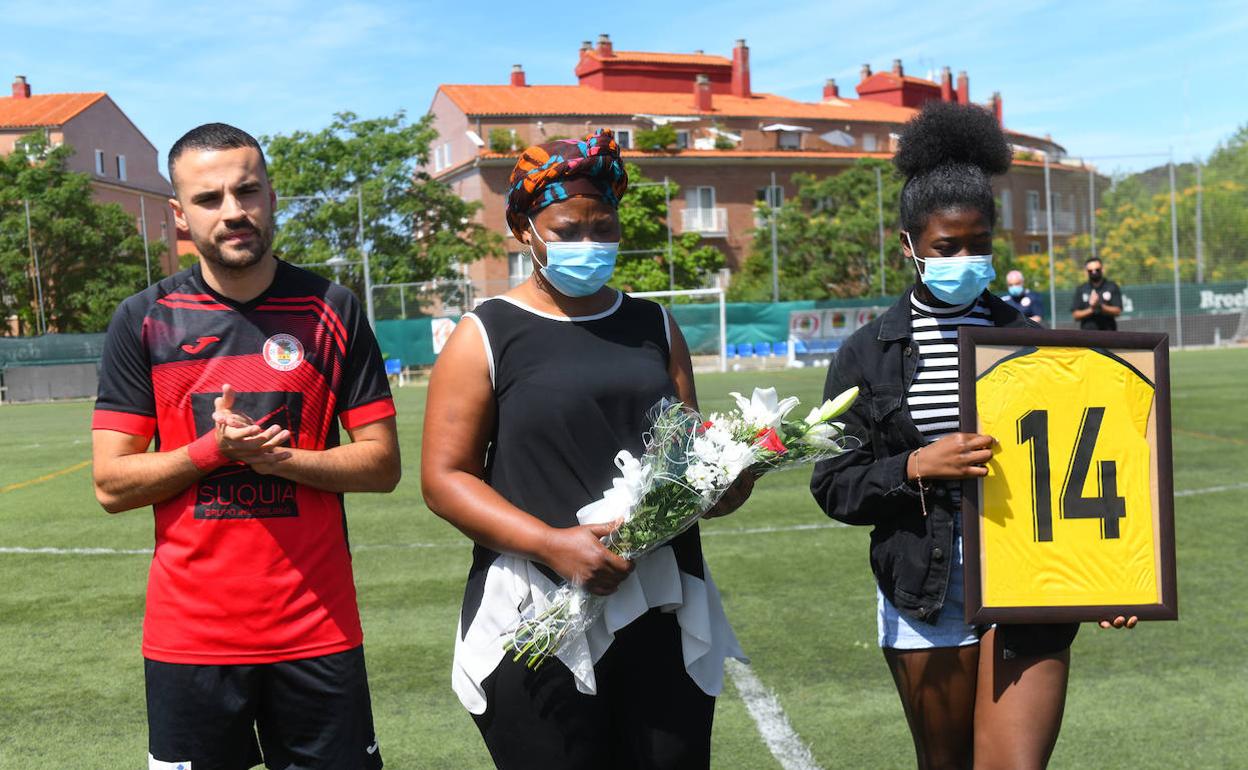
(241, 369)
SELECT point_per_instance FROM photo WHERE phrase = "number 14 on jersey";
(1106, 505)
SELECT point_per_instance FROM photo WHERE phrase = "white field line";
(461, 543)
(1211, 490)
(773, 724)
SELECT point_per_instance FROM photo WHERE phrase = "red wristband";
(206, 454)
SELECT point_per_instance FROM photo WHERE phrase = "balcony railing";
(1063, 222)
(708, 222)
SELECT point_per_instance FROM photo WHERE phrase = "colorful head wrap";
(565, 168)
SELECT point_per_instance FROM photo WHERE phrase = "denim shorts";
(948, 629)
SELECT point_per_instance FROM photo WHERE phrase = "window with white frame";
(869, 143)
(682, 138)
(790, 140)
(1033, 209)
(446, 155)
(99, 163)
(1034, 247)
(702, 198)
(1007, 210)
(519, 267)
(771, 195)
(121, 167)
(700, 209)
(624, 136)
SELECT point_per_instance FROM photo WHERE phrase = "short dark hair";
(1090, 260)
(948, 153)
(213, 136)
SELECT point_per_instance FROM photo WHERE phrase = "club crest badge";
(283, 352)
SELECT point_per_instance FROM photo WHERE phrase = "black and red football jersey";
(248, 568)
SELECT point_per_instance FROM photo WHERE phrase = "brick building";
(120, 160)
(730, 140)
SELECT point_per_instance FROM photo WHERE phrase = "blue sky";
(1104, 78)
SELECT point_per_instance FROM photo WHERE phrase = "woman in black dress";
(532, 397)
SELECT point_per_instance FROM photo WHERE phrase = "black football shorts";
(305, 714)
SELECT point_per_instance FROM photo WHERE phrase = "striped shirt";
(933, 396)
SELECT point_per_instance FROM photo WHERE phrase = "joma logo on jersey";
(283, 352)
(200, 344)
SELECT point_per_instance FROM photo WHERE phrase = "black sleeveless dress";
(570, 394)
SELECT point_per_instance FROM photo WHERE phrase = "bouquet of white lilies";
(688, 464)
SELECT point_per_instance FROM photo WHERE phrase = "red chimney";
(702, 93)
(830, 90)
(946, 84)
(21, 89)
(740, 71)
(997, 109)
(866, 72)
(517, 76)
(604, 45)
(897, 70)
(964, 88)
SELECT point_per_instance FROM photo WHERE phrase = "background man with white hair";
(1022, 299)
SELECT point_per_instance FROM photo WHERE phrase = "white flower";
(835, 407)
(762, 410)
(725, 422)
(822, 436)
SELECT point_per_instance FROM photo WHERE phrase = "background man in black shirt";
(1098, 302)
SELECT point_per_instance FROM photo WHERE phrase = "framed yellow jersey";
(1075, 519)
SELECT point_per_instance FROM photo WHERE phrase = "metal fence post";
(1092, 210)
(879, 213)
(34, 257)
(1048, 224)
(1200, 222)
(147, 259)
(368, 274)
(667, 214)
(775, 258)
(1174, 245)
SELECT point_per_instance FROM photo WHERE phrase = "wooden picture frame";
(1065, 573)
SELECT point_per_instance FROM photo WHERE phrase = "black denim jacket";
(909, 552)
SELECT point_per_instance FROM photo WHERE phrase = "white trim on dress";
(667, 327)
(485, 340)
(619, 300)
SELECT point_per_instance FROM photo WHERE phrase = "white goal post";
(723, 313)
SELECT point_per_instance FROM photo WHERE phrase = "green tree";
(90, 254)
(504, 140)
(643, 225)
(659, 138)
(827, 239)
(1133, 226)
(415, 227)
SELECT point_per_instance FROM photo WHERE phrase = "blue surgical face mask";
(1016, 290)
(955, 280)
(577, 268)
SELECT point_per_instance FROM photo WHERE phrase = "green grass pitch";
(1166, 695)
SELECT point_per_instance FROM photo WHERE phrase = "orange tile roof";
(582, 100)
(649, 57)
(44, 109)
